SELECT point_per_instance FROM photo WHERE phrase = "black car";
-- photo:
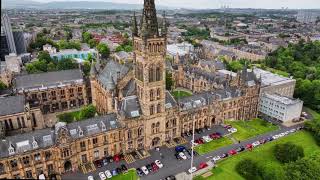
(224, 155)
(109, 159)
(170, 178)
(124, 167)
(149, 167)
(139, 172)
(240, 149)
(197, 131)
(118, 170)
(270, 139)
(188, 134)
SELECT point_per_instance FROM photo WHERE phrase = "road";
(172, 166)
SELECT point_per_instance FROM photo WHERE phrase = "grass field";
(180, 94)
(130, 175)
(314, 114)
(263, 154)
(213, 145)
(248, 129)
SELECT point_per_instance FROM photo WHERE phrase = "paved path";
(171, 165)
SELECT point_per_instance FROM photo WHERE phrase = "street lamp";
(192, 144)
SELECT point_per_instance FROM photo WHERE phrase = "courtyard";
(180, 93)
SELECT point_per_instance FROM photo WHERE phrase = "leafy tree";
(44, 56)
(234, 66)
(248, 169)
(288, 152)
(86, 36)
(169, 80)
(67, 64)
(88, 112)
(51, 67)
(2, 86)
(272, 171)
(92, 43)
(86, 68)
(103, 50)
(314, 128)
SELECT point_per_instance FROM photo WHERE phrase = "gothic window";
(140, 132)
(151, 110)
(158, 93)
(26, 160)
(2, 170)
(158, 74)
(14, 163)
(151, 74)
(129, 134)
(151, 95)
(159, 108)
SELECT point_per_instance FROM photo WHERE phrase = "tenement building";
(53, 91)
(138, 113)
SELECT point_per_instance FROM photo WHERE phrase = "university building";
(137, 111)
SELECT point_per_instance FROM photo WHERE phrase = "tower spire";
(164, 29)
(149, 22)
(134, 25)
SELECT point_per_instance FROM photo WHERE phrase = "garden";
(85, 113)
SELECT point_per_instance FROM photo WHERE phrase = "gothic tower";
(149, 43)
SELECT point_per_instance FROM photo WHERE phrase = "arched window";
(158, 124)
(129, 134)
(159, 108)
(158, 74)
(151, 74)
(151, 110)
(151, 95)
(140, 132)
(158, 93)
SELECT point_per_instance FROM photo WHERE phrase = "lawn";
(180, 94)
(213, 145)
(85, 113)
(263, 154)
(130, 175)
(248, 129)
(314, 114)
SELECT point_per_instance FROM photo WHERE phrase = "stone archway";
(213, 121)
(155, 141)
(67, 166)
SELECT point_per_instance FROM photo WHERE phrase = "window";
(50, 168)
(37, 157)
(13, 163)
(26, 160)
(151, 95)
(158, 94)
(96, 154)
(158, 74)
(2, 170)
(140, 131)
(23, 123)
(48, 155)
(84, 158)
(94, 141)
(151, 110)
(29, 174)
(159, 108)
(83, 145)
(129, 134)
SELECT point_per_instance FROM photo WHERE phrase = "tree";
(234, 66)
(272, 171)
(92, 43)
(86, 36)
(88, 112)
(103, 50)
(67, 64)
(169, 81)
(248, 169)
(44, 56)
(288, 152)
(2, 86)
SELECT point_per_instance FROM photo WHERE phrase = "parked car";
(90, 178)
(149, 167)
(203, 165)
(170, 178)
(216, 158)
(232, 152)
(215, 136)
(177, 156)
(114, 172)
(102, 176)
(224, 155)
(257, 143)
(158, 163)
(180, 148)
(193, 143)
(140, 172)
(249, 146)
(262, 141)
(192, 170)
(116, 158)
(275, 136)
(181, 154)
(154, 167)
(197, 131)
(98, 163)
(124, 167)
(206, 138)
(105, 162)
(207, 128)
(232, 130)
(199, 141)
(240, 149)
(119, 170)
(228, 126)
(188, 134)
(145, 170)
(108, 174)
(293, 130)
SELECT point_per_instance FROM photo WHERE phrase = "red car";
(199, 141)
(249, 146)
(154, 167)
(116, 158)
(215, 136)
(232, 152)
(227, 126)
(203, 165)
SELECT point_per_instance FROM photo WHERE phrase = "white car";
(206, 138)
(275, 136)
(232, 130)
(108, 174)
(216, 158)
(257, 143)
(158, 163)
(181, 154)
(293, 130)
(282, 134)
(192, 170)
(102, 176)
(145, 170)
(194, 143)
(90, 178)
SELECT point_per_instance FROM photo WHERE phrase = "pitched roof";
(11, 105)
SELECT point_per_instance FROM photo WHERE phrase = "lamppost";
(192, 144)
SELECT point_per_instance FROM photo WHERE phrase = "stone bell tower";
(149, 43)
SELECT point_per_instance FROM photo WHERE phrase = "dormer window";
(103, 126)
(11, 149)
(34, 144)
(80, 131)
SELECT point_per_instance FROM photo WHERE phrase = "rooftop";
(270, 79)
(282, 99)
(11, 105)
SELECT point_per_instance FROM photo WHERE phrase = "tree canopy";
(288, 152)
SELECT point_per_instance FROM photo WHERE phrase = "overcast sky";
(292, 4)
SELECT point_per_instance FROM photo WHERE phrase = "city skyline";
(212, 4)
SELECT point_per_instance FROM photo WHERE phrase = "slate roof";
(108, 76)
(48, 79)
(212, 77)
(47, 137)
(170, 101)
(11, 105)
(129, 89)
(130, 107)
(215, 63)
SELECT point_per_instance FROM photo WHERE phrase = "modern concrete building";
(281, 108)
(8, 32)
(20, 42)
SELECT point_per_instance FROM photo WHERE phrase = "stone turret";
(134, 27)
(149, 22)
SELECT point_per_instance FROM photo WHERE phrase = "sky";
(211, 4)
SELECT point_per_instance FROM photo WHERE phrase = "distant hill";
(11, 4)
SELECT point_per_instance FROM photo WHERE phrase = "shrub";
(272, 171)
(288, 152)
(248, 169)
